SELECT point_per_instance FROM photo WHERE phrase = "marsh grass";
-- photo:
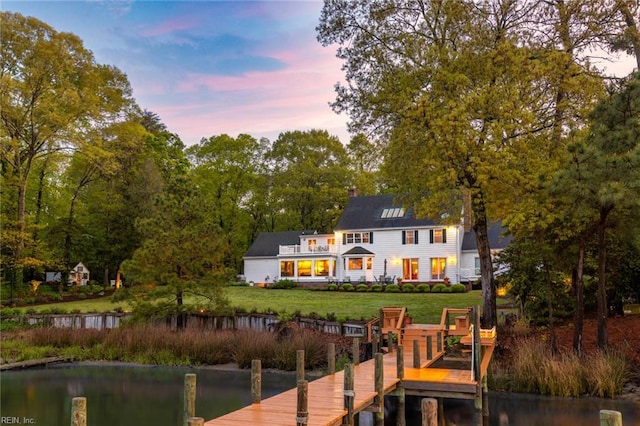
(533, 368)
(161, 346)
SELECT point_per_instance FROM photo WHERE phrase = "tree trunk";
(603, 310)
(578, 321)
(489, 311)
(552, 330)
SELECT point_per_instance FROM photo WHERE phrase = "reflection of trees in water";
(128, 395)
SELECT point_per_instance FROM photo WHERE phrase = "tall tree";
(52, 95)
(310, 179)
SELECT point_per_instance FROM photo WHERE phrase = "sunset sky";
(211, 67)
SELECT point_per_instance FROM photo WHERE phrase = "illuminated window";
(438, 265)
(321, 268)
(312, 245)
(286, 268)
(410, 237)
(410, 269)
(369, 263)
(357, 238)
(355, 263)
(438, 235)
(304, 268)
(331, 241)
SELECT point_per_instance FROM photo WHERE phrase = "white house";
(375, 240)
(79, 275)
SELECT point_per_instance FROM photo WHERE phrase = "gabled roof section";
(367, 213)
(268, 243)
(357, 251)
(497, 239)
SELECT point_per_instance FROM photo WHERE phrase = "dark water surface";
(122, 395)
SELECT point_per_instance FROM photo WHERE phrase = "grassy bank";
(423, 307)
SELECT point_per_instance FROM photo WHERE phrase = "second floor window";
(410, 237)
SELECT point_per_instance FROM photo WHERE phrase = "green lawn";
(423, 307)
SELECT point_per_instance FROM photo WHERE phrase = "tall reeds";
(159, 345)
(533, 368)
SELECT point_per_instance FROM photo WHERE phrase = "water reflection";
(152, 396)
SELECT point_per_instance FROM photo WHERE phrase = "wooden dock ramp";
(326, 397)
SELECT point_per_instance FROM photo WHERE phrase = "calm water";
(152, 396)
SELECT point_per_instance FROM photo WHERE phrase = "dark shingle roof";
(267, 243)
(366, 213)
(356, 250)
(496, 238)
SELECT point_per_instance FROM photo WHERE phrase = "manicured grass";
(423, 307)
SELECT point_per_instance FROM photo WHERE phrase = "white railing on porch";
(300, 249)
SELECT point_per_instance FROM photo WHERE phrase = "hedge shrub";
(423, 288)
(458, 288)
(408, 288)
(332, 287)
(438, 288)
(347, 287)
(377, 288)
(362, 287)
(392, 288)
(283, 284)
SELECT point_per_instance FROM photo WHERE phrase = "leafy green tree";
(310, 179)
(226, 173)
(182, 254)
(603, 176)
(53, 96)
(365, 161)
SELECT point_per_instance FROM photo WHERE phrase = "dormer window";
(392, 213)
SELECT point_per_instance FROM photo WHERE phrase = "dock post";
(429, 409)
(390, 341)
(195, 421)
(356, 351)
(476, 358)
(439, 341)
(379, 388)
(256, 381)
(299, 365)
(331, 359)
(416, 354)
(485, 397)
(610, 418)
(400, 415)
(302, 412)
(374, 344)
(189, 397)
(349, 394)
(79, 411)
(429, 348)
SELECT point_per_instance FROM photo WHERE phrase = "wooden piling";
(429, 348)
(256, 381)
(349, 394)
(429, 409)
(610, 418)
(400, 414)
(195, 421)
(416, 354)
(300, 365)
(374, 344)
(302, 411)
(390, 341)
(79, 411)
(379, 388)
(331, 358)
(189, 409)
(439, 341)
(356, 350)
(475, 314)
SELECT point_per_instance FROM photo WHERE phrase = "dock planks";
(326, 394)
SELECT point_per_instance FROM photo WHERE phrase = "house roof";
(366, 212)
(356, 251)
(497, 239)
(268, 243)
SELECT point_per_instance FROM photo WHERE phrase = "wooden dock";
(420, 348)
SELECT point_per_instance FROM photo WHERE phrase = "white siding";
(257, 270)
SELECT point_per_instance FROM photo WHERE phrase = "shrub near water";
(535, 369)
